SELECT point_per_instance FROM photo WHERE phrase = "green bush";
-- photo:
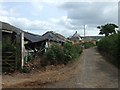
(7, 46)
(54, 55)
(57, 54)
(71, 52)
(110, 46)
(88, 45)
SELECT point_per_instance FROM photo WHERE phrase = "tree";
(107, 29)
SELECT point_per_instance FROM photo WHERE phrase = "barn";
(19, 46)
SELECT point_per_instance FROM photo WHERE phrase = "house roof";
(75, 36)
(50, 35)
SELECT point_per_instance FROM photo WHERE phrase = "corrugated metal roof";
(6, 26)
(32, 37)
(50, 35)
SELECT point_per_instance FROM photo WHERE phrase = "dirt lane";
(93, 72)
(39, 77)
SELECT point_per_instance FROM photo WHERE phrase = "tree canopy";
(107, 29)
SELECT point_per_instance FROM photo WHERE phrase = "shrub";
(88, 45)
(110, 46)
(54, 55)
(71, 52)
(57, 54)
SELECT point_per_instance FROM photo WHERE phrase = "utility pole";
(84, 30)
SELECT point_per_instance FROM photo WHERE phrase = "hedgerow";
(57, 54)
(110, 46)
(88, 45)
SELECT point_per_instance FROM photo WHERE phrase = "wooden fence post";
(22, 50)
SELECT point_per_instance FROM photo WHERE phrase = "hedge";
(88, 45)
(57, 54)
(110, 46)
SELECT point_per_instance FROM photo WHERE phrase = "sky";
(61, 16)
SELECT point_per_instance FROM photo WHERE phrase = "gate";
(9, 61)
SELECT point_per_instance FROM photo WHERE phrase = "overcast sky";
(64, 17)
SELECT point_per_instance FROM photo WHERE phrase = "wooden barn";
(19, 46)
(41, 43)
(14, 50)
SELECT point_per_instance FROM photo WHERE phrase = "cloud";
(78, 14)
(36, 26)
(11, 16)
(119, 14)
(27, 24)
(64, 21)
(91, 13)
(52, 2)
(38, 7)
(8, 11)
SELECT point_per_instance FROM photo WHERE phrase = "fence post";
(22, 50)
